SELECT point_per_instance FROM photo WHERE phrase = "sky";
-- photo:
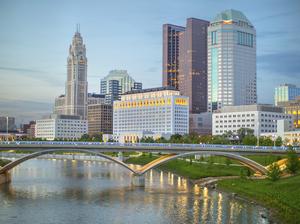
(125, 34)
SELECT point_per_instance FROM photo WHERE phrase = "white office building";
(259, 117)
(156, 110)
(231, 61)
(65, 127)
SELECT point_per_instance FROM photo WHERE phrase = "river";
(66, 191)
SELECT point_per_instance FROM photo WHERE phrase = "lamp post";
(7, 129)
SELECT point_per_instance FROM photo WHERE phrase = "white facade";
(231, 61)
(260, 118)
(58, 127)
(158, 110)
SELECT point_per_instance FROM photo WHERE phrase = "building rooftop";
(253, 107)
(231, 14)
(151, 90)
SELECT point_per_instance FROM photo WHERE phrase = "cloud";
(38, 75)
(277, 15)
(20, 70)
(284, 63)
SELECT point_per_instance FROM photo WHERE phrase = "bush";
(292, 164)
(274, 172)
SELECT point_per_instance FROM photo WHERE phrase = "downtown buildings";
(116, 83)
(231, 61)
(155, 112)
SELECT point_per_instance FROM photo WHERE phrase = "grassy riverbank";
(282, 195)
(188, 170)
(3, 162)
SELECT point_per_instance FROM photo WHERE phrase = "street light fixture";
(7, 129)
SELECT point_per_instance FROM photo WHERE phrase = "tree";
(176, 138)
(249, 140)
(274, 172)
(278, 141)
(242, 132)
(84, 138)
(292, 164)
(205, 139)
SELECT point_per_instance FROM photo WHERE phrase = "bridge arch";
(241, 159)
(13, 164)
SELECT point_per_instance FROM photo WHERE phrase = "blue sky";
(125, 34)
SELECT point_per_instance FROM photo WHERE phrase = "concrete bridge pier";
(5, 178)
(138, 180)
(120, 156)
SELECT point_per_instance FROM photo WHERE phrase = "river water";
(58, 191)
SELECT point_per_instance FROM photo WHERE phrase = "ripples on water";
(58, 191)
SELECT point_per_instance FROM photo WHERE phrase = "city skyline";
(27, 76)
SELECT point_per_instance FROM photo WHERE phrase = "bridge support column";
(5, 178)
(138, 180)
(120, 156)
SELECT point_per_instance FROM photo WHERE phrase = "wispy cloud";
(36, 74)
(20, 70)
(276, 15)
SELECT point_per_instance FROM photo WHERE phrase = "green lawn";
(191, 171)
(3, 162)
(283, 195)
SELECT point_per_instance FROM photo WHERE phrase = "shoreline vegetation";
(3, 162)
(282, 196)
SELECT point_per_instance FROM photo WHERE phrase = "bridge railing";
(165, 145)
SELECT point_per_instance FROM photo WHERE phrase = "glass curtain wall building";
(285, 93)
(231, 61)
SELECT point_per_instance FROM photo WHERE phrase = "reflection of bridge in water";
(169, 153)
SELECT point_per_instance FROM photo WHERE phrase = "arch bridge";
(256, 167)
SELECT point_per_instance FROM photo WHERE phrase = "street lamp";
(7, 129)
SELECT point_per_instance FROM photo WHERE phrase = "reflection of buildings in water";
(161, 178)
(220, 198)
(205, 204)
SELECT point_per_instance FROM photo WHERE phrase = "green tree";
(242, 132)
(176, 138)
(249, 140)
(278, 141)
(84, 138)
(292, 164)
(274, 172)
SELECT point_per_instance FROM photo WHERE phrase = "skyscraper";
(231, 60)
(117, 82)
(192, 75)
(76, 85)
(171, 54)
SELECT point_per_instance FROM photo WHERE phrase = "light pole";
(7, 129)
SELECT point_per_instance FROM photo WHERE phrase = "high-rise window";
(214, 37)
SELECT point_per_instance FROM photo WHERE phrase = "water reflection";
(58, 191)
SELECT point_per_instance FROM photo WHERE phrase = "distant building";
(258, 117)
(7, 124)
(201, 123)
(117, 82)
(66, 127)
(292, 107)
(59, 105)
(29, 129)
(171, 54)
(94, 98)
(157, 110)
(111, 89)
(286, 92)
(74, 102)
(100, 119)
(185, 61)
(231, 61)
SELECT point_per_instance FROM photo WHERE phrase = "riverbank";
(282, 196)
(189, 170)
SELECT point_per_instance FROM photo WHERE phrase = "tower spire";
(77, 28)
